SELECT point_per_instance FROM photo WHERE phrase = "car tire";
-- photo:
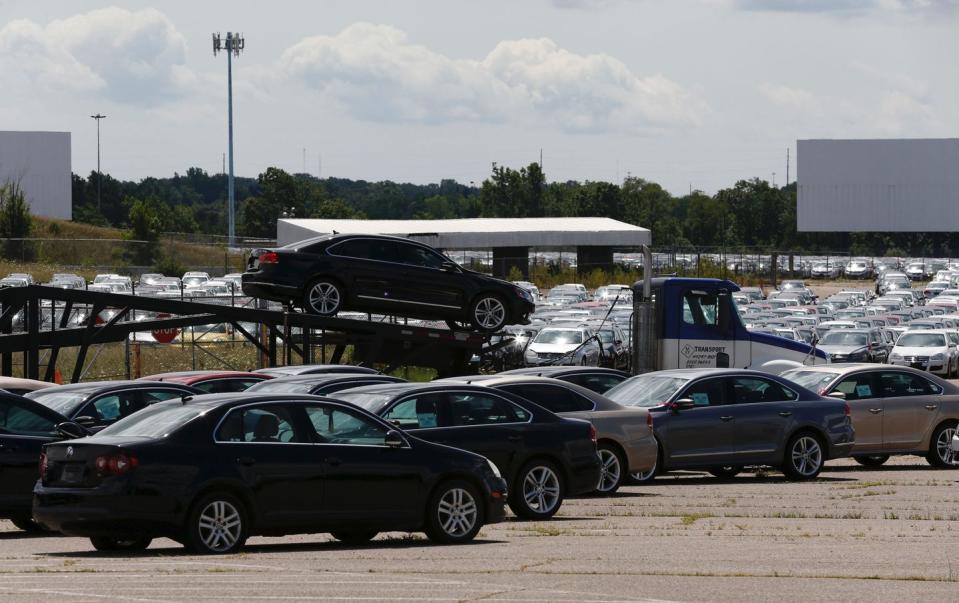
(871, 460)
(612, 469)
(804, 457)
(940, 452)
(216, 525)
(538, 490)
(726, 472)
(455, 513)
(26, 524)
(354, 537)
(488, 312)
(641, 478)
(112, 543)
(323, 297)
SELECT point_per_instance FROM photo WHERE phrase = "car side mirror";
(618, 341)
(394, 439)
(70, 430)
(836, 395)
(682, 404)
(449, 267)
(85, 421)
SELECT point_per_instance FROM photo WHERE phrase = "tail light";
(116, 464)
(269, 257)
(43, 465)
(847, 410)
(649, 420)
(592, 433)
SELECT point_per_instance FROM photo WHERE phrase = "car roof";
(319, 378)
(189, 377)
(695, 373)
(551, 371)
(103, 386)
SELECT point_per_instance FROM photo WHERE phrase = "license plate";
(72, 474)
(917, 365)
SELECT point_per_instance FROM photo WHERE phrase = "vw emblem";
(69, 450)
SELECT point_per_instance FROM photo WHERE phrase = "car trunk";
(73, 464)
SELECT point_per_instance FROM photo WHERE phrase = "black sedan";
(542, 456)
(323, 384)
(97, 404)
(382, 274)
(25, 426)
(209, 472)
(720, 420)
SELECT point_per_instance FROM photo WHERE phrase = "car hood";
(841, 349)
(916, 351)
(553, 348)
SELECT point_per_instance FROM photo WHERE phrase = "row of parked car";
(211, 458)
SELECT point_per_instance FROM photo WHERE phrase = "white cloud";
(134, 57)
(786, 96)
(377, 74)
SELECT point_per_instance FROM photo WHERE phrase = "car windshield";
(922, 340)
(646, 390)
(840, 338)
(156, 421)
(371, 402)
(64, 403)
(811, 380)
(559, 336)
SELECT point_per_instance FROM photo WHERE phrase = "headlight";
(895, 356)
(531, 354)
(524, 294)
(494, 469)
(937, 357)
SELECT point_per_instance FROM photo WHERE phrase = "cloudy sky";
(688, 93)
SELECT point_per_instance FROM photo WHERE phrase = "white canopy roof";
(479, 233)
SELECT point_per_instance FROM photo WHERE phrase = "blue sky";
(688, 93)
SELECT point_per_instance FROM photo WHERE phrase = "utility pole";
(232, 45)
(787, 166)
(98, 117)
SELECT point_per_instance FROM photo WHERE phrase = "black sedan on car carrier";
(382, 274)
(213, 470)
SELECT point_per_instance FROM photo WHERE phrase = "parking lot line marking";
(66, 593)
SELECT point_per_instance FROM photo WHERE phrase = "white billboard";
(907, 185)
(40, 162)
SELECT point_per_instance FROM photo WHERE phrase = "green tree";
(15, 221)
(146, 218)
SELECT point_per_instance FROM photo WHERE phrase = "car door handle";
(246, 461)
(726, 419)
(333, 462)
(932, 406)
(785, 413)
(875, 411)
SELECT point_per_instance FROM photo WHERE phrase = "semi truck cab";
(695, 324)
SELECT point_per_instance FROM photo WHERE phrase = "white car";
(562, 345)
(931, 351)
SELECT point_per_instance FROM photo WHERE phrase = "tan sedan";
(624, 436)
(895, 409)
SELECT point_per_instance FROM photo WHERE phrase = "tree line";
(751, 214)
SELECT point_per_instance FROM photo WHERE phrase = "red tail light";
(649, 420)
(848, 410)
(116, 464)
(592, 433)
(269, 257)
(43, 465)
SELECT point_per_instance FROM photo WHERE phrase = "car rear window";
(157, 421)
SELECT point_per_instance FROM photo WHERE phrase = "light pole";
(233, 44)
(98, 117)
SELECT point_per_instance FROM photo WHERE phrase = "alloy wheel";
(457, 512)
(324, 298)
(944, 447)
(541, 489)
(806, 455)
(489, 313)
(220, 526)
(610, 470)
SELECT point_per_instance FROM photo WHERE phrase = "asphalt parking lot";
(854, 534)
